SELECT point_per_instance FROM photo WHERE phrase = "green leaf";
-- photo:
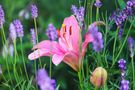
(58, 87)
(122, 4)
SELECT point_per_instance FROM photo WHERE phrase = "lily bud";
(98, 77)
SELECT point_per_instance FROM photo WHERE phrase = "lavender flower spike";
(97, 36)
(19, 28)
(51, 32)
(2, 16)
(98, 3)
(120, 33)
(131, 46)
(33, 36)
(74, 9)
(79, 13)
(12, 32)
(124, 85)
(122, 64)
(34, 11)
(44, 81)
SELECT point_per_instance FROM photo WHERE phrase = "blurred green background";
(50, 11)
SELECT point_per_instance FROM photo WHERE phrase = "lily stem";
(80, 80)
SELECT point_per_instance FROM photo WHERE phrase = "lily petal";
(72, 28)
(72, 60)
(45, 48)
(56, 59)
(38, 53)
(88, 39)
(45, 44)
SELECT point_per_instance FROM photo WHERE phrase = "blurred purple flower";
(131, 46)
(74, 9)
(79, 13)
(34, 11)
(19, 28)
(51, 32)
(130, 3)
(2, 16)
(122, 64)
(98, 3)
(124, 85)
(33, 36)
(97, 36)
(44, 81)
(120, 17)
(12, 31)
(130, 42)
(120, 33)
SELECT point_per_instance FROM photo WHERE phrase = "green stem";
(105, 40)
(24, 60)
(50, 71)
(35, 24)
(122, 44)
(99, 59)
(132, 59)
(80, 80)
(14, 64)
(97, 14)
(4, 41)
(114, 45)
(95, 88)
(87, 67)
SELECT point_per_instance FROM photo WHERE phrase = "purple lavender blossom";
(51, 32)
(19, 28)
(2, 16)
(12, 31)
(44, 81)
(133, 3)
(98, 3)
(74, 9)
(120, 17)
(79, 13)
(80, 16)
(130, 42)
(120, 33)
(124, 85)
(122, 64)
(33, 36)
(130, 3)
(98, 39)
(34, 11)
(131, 46)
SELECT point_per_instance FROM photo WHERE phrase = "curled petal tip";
(29, 57)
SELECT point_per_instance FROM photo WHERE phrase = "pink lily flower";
(67, 48)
